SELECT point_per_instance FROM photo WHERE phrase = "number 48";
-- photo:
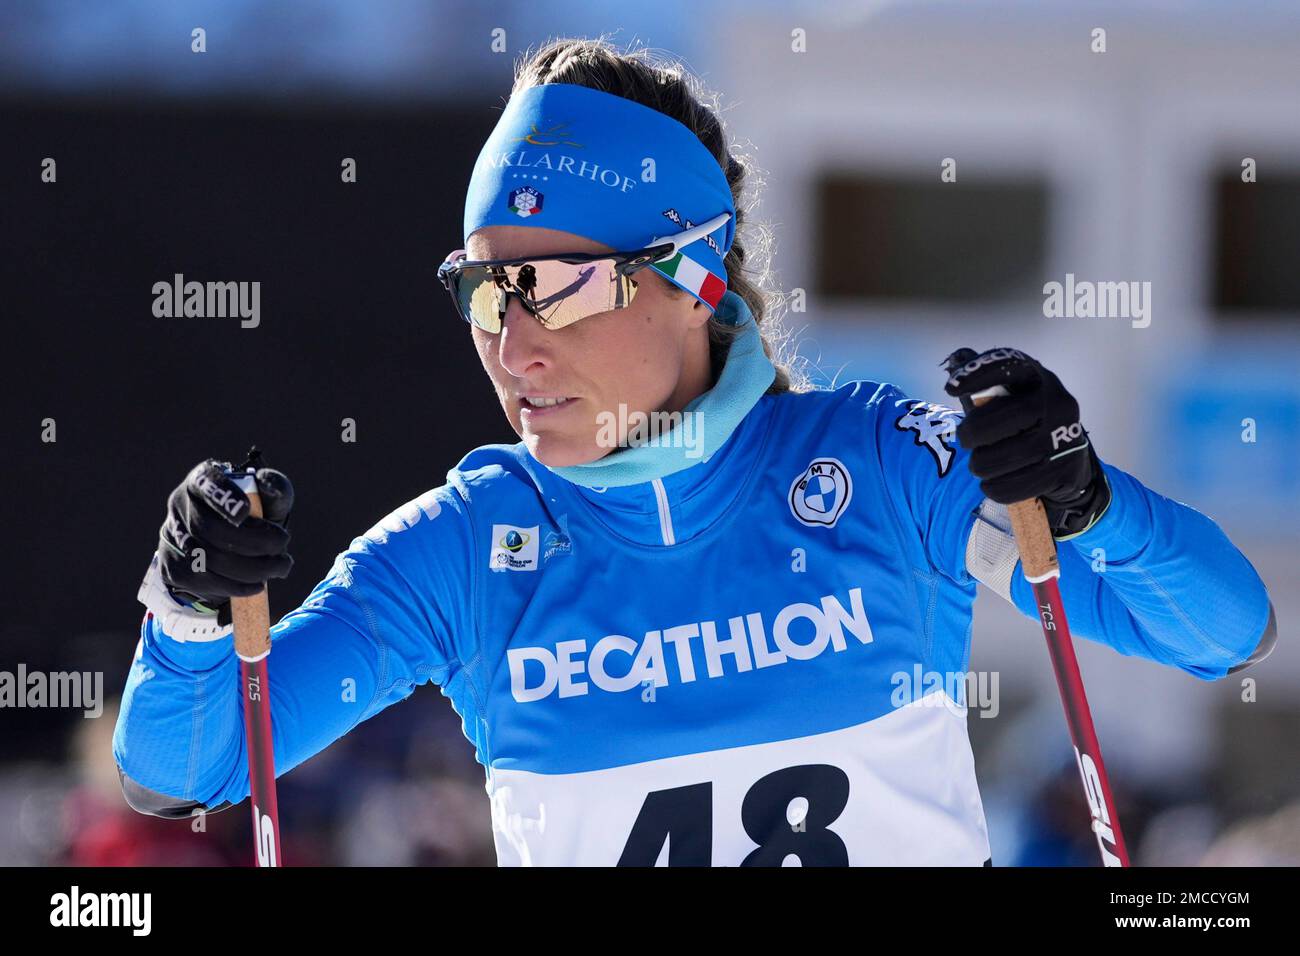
(684, 817)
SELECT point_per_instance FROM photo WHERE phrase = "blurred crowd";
(401, 790)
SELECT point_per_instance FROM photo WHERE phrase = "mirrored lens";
(558, 293)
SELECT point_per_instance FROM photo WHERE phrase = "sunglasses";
(559, 289)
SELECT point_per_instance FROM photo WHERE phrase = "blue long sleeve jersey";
(715, 667)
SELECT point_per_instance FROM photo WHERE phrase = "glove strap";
(181, 623)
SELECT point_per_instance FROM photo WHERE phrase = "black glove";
(1028, 443)
(209, 511)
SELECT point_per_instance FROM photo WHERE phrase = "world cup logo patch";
(513, 548)
(525, 201)
(820, 495)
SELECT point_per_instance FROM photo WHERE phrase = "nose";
(523, 349)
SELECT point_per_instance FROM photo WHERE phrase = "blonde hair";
(666, 85)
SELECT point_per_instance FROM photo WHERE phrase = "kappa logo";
(525, 201)
(513, 549)
(820, 495)
(933, 425)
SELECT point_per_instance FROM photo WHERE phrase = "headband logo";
(549, 137)
(525, 201)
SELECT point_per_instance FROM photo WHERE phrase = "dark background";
(354, 324)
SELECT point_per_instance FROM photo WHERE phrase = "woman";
(674, 617)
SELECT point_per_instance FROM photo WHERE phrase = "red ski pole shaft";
(252, 620)
(1042, 570)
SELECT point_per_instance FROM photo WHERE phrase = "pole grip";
(252, 615)
(1029, 524)
(1034, 540)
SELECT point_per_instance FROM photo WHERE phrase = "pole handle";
(1029, 524)
(252, 615)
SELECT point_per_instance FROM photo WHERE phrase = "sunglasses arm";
(683, 239)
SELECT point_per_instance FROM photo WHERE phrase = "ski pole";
(252, 620)
(1039, 564)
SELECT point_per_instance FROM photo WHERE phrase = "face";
(651, 356)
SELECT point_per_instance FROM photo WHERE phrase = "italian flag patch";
(694, 278)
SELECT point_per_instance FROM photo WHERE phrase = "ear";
(700, 314)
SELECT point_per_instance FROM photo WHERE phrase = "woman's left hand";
(1028, 443)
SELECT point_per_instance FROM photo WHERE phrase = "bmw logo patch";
(820, 495)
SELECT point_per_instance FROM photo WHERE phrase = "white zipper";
(665, 516)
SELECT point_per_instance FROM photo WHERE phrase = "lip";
(529, 413)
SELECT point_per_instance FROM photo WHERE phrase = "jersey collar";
(746, 375)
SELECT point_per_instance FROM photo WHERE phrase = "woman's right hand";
(211, 549)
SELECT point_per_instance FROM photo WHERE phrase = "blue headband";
(584, 161)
